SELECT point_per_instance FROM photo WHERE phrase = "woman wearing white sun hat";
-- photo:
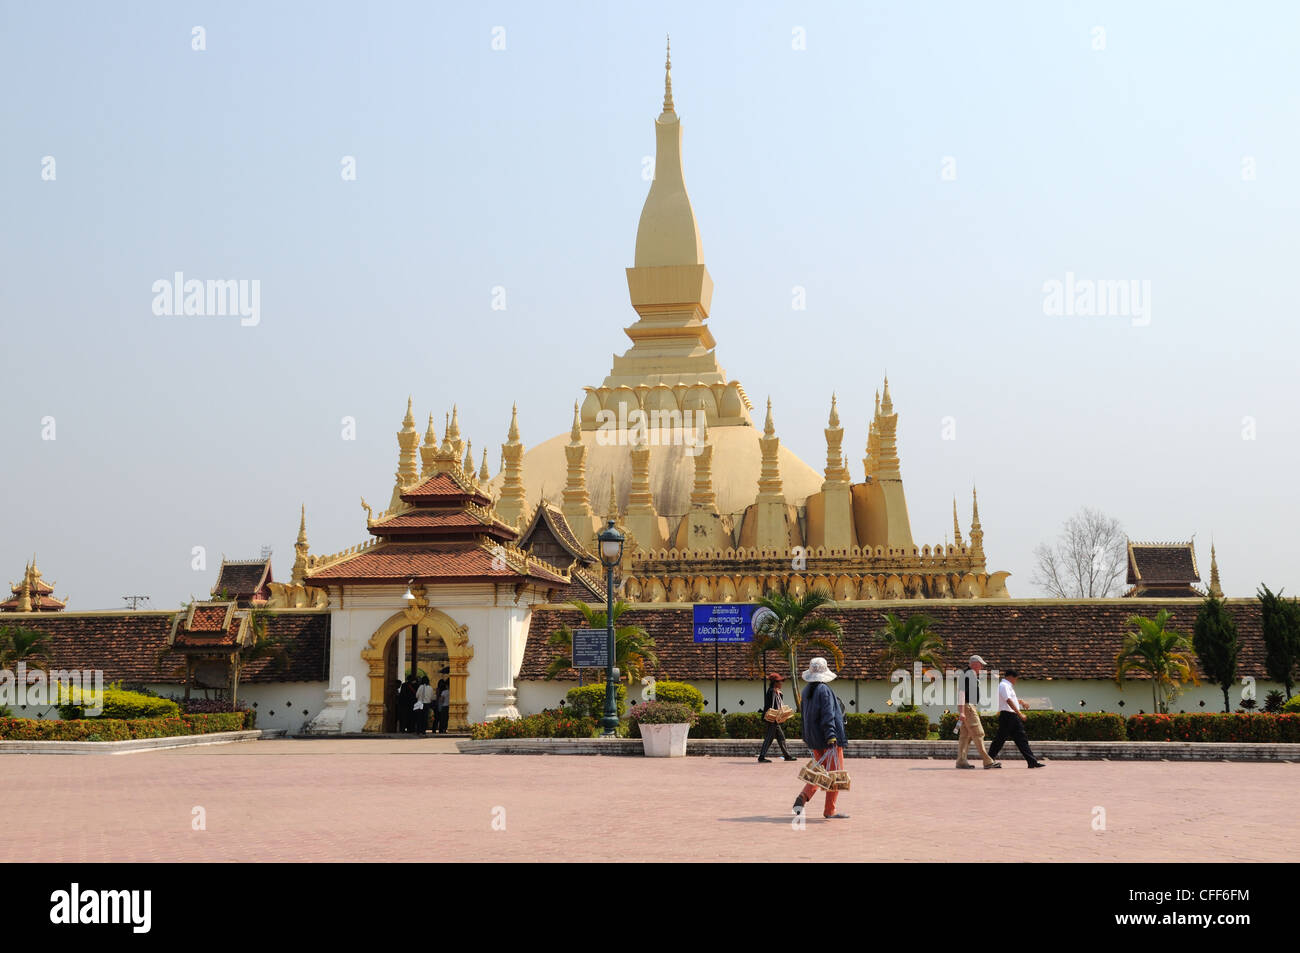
(823, 730)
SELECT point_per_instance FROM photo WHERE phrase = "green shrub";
(886, 726)
(746, 724)
(119, 704)
(1051, 726)
(662, 713)
(552, 723)
(707, 725)
(1292, 704)
(588, 701)
(681, 693)
(118, 729)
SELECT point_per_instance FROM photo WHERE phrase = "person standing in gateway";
(823, 731)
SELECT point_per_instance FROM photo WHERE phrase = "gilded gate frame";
(454, 636)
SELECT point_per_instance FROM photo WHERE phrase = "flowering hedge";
(1207, 726)
(119, 729)
(552, 723)
(1051, 726)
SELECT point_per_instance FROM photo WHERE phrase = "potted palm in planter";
(663, 727)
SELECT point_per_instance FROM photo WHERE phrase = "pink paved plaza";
(398, 800)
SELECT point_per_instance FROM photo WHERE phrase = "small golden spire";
(834, 420)
(956, 527)
(886, 404)
(769, 428)
(468, 464)
(613, 500)
(1216, 590)
(483, 474)
(302, 527)
(668, 78)
(408, 422)
(575, 434)
(513, 434)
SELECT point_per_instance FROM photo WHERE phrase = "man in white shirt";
(1011, 721)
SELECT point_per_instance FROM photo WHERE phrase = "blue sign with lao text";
(728, 622)
(590, 648)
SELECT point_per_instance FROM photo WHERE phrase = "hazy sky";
(1169, 156)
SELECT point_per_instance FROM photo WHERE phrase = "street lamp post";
(611, 552)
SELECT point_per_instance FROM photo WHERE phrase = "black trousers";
(421, 720)
(774, 733)
(1010, 726)
(440, 722)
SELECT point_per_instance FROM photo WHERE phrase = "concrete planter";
(664, 741)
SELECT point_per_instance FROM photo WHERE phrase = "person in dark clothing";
(442, 699)
(1011, 721)
(406, 706)
(774, 699)
(823, 731)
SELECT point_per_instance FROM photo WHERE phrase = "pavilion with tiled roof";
(246, 581)
(1163, 570)
(439, 545)
(32, 594)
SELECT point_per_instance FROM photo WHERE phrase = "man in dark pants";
(774, 699)
(1011, 721)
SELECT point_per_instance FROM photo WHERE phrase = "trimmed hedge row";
(859, 725)
(120, 729)
(1205, 726)
(551, 723)
(1105, 726)
(1051, 726)
(121, 704)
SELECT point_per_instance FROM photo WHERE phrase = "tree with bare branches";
(1087, 561)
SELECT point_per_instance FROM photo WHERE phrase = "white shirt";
(424, 695)
(1007, 695)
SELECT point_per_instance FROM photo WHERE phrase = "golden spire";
(667, 233)
(702, 495)
(408, 442)
(886, 405)
(483, 474)
(299, 574)
(25, 589)
(512, 502)
(976, 530)
(835, 469)
(453, 431)
(576, 503)
(428, 450)
(956, 528)
(612, 512)
(668, 78)
(884, 455)
(468, 463)
(1215, 589)
(770, 488)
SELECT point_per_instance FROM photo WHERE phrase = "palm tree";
(634, 650)
(18, 644)
(1161, 652)
(263, 646)
(792, 623)
(910, 640)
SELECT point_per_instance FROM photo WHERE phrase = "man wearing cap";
(969, 726)
(823, 731)
(774, 699)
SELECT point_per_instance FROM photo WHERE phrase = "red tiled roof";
(445, 489)
(457, 522)
(554, 520)
(132, 646)
(1065, 640)
(243, 580)
(430, 562)
(1155, 563)
(40, 603)
(209, 618)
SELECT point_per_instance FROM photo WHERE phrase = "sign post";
(730, 622)
(590, 649)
